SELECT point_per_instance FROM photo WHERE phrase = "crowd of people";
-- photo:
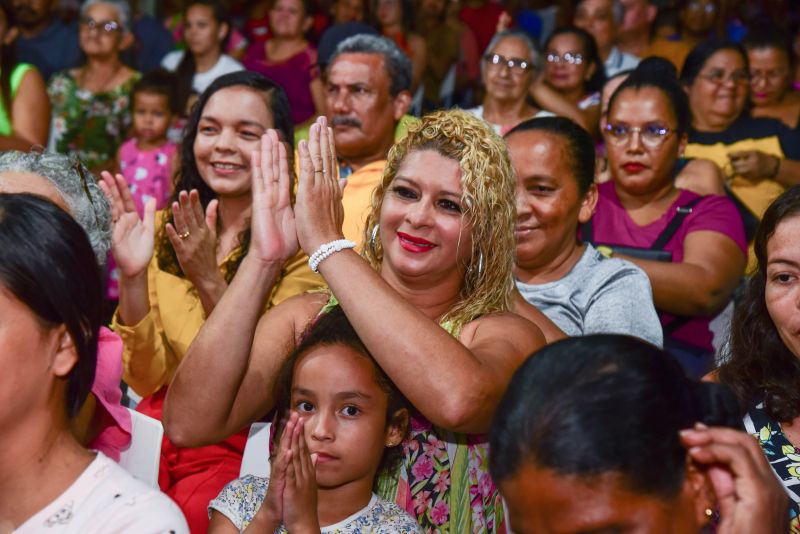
(487, 267)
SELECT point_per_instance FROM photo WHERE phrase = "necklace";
(98, 88)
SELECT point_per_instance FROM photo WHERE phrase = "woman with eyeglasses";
(758, 156)
(508, 70)
(91, 114)
(692, 247)
(771, 67)
(572, 78)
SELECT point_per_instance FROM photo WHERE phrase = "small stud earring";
(709, 512)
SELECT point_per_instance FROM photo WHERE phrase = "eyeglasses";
(772, 76)
(651, 135)
(700, 6)
(569, 57)
(516, 65)
(108, 26)
(719, 76)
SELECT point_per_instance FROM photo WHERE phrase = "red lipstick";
(414, 244)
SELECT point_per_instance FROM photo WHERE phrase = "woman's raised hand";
(193, 235)
(319, 209)
(132, 237)
(749, 496)
(273, 235)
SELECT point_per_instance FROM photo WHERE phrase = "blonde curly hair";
(487, 180)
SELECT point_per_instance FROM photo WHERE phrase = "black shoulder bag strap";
(662, 240)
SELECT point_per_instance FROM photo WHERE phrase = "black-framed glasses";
(104, 26)
(650, 135)
(568, 57)
(516, 65)
(719, 76)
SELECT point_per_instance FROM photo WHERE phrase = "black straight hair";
(160, 82)
(766, 35)
(760, 365)
(187, 68)
(604, 403)
(660, 74)
(701, 53)
(47, 263)
(578, 142)
(590, 55)
(188, 176)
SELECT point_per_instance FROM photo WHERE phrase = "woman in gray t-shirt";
(578, 288)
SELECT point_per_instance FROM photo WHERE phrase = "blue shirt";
(55, 49)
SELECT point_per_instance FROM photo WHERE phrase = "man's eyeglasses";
(771, 76)
(650, 135)
(719, 76)
(569, 57)
(700, 6)
(108, 26)
(516, 65)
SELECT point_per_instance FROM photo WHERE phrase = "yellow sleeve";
(296, 278)
(148, 360)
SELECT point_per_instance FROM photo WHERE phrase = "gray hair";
(397, 63)
(123, 9)
(617, 11)
(533, 51)
(86, 202)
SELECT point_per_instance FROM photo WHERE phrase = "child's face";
(334, 389)
(151, 116)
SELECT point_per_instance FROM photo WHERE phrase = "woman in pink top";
(288, 59)
(646, 130)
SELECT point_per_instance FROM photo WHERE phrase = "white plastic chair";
(255, 460)
(142, 457)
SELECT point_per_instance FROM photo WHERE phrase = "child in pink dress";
(148, 160)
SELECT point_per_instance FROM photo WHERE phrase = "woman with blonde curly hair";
(430, 303)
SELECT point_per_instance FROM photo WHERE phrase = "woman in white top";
(206, 30)
(50, 315)
(508, 69)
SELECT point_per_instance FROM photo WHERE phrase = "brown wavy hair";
(760, 364)
(487, 180)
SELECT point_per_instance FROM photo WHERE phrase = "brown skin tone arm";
(525, 309)
(703, 282)
(30, 114)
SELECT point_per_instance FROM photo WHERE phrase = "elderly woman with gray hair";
(508, 70)
(102, 423)
(90, 103)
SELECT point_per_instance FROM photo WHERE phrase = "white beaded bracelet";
(326, 249)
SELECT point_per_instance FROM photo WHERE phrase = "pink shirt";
(613, 226)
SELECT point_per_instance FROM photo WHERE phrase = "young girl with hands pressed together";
(345, 423)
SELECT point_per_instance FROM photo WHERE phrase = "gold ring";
(184, 235)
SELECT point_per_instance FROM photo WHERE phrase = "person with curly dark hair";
(764, 365)
(172, 277)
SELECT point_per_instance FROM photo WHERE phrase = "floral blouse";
(240, 500)
(89, 125)
(783, 457)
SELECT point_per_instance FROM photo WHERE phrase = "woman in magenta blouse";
(701, 237)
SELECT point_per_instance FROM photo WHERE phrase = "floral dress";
(89, 125)
(783, 457)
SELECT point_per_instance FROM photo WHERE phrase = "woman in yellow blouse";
(171, 279)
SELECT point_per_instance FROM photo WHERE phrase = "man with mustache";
(367, 93)
(44, 40)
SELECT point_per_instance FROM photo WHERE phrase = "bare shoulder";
(506, 328)
(295, 313)
(701, 176)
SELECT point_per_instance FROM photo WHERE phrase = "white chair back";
(142, 457)
(255, 460)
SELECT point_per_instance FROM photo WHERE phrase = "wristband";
(326, 249)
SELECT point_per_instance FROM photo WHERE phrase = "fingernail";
(700, 426)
